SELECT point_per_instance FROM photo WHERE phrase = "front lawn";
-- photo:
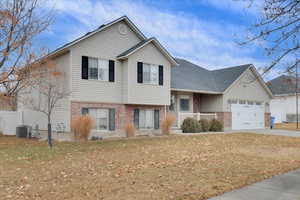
(175, 167)
(287, 126)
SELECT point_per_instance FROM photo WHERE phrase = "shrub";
(215, 125)
(167, 123)
(82, 126)
(204, 125)
(129, 130)
(190, 125)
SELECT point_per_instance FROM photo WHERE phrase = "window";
(184, 104)
(146, 119)
(258, 103)
(250, 102)
(98, 69)
(150, 74)
(232, 101)
(103, 70)
(242, 101)
(101, 118)
(93, 68)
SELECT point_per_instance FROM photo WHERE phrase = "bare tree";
(278, 32)
(47, 89)
(20, 22)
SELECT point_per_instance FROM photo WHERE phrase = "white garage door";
(246, 116)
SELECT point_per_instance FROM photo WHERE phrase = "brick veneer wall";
(226, 119)
(130, 111)
(267, 120)
(120, 110)
(124, 113)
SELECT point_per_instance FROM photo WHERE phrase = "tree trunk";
(49, 133)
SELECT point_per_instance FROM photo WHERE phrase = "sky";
(206, 32)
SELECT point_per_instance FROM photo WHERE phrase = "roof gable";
(142, 44)
(225, 77)
(191, 77)
(101, 28)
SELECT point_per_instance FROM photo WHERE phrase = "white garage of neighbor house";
(283, 105)
(140, 81)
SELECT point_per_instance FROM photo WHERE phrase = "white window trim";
(107, 123)
(184, 97)
(151, 66)
(147, 110)
(98, 65)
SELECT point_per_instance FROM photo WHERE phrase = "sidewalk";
(281, 187)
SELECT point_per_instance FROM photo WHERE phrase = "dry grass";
(174, 167)
(130, 129)
(287, 126)
(167, 123)
(82, 126)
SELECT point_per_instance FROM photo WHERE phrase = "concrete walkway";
(281, 187)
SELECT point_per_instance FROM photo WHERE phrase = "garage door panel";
(247, 116)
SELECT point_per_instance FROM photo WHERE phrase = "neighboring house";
(283, 106)
(119, 76)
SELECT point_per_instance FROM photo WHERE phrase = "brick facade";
(267, 120)
(124, 113)
(226, 119)
(120, 110)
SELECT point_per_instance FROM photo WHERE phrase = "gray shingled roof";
(189, 76)
(283, 85)
(134, 48)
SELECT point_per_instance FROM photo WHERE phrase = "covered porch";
(196, 105)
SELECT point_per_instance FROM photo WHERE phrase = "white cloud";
(237, 6)
(208, 43)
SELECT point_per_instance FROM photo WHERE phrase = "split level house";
(118, 75)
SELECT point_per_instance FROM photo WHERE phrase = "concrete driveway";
(281, 187)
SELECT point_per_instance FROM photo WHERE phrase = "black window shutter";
(156, 119)
(161, 75)
(112, 119)
(84, 67)
(111, 71)
(140, 72)
(84, 111)
(136, 117)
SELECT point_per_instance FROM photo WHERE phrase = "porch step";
(176, 130)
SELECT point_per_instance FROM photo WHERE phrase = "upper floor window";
(150, 73)
(98, 69)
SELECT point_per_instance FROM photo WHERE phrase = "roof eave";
(195, 91)
(131, 24)
(162, 49)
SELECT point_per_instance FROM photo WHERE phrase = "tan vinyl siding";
(125, 81)
(107, 44)
(145, 93)
(211, 103)
(62, 110)
(247, 87)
